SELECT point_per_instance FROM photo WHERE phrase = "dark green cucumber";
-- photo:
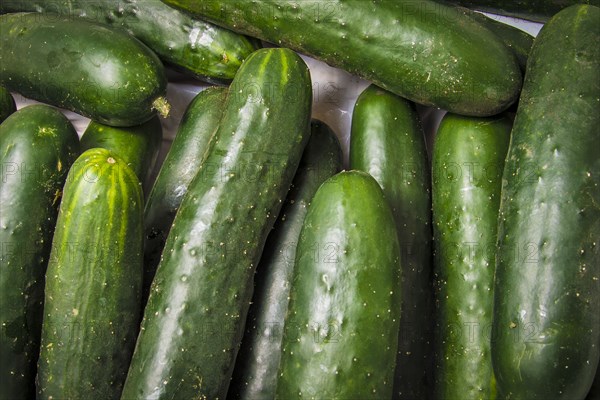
(341, 330)
(206, 51)
(547, 292)
(534, 10)
(137, 145)
(7, 104)
(92, 69)
(38, 144)
(257, 364)
(194, 321)
(93, 283)
(198, 125)
(387, 142)
(517, 40)
(421, 50)
(594, 393)
(468, 158)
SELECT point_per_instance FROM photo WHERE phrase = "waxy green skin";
(204, 50)
(547, 292)
(7, 104)
(468, 159)
(257, 363)
(427, 52)
(194, 320)
(594, 393)
(341, 331)
(92, 69)
(93, 282)
(517, 40)
(137, 145)
(387, 142)
(192, 141)
(534, 10)
(38, 144)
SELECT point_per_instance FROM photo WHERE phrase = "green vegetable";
(468, 159)
(421, 50)
(341, 331)
(194, 321)
(517, 40)
(100, 72)
(535, 10)
(547, 292)
(192, 45)
(7, 104)
(38, 144)
(387, 142)
(255, 373)
(137, 145)
(198, 125)
(93, 283)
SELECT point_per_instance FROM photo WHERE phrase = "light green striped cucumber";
(137, 145)
(387, 142)
(93, 283)
(198, 125)
(38, 144)
(194, 321)
(341, 330)
(257, 365)
(468, 159)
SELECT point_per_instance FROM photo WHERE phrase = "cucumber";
(594, 393)
(468, 159)
(421, 50)
(137, 145)
(93, 282)
(534, 10)
(7, 104)
(257, 364)
(341, 330)
(97, 71)
(194, 320)
(38, 144)
(198, 125)
(387, 142)
(196, 47)
(547, 293)
(517, 40)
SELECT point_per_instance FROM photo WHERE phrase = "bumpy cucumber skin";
(427, 52)
(38, 144)
(534, 10)
(204, 50)
(387, 142)
(257, 363)
(92, 69)
(517, 40)
(194, 321)
(137, 145)
(468, 159)
(7, 104)
(93, 283)
(192, 141)
(341, 331)
(547, 293)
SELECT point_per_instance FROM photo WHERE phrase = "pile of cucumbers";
(253, 262)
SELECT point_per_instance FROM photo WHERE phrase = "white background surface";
(334, 94)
